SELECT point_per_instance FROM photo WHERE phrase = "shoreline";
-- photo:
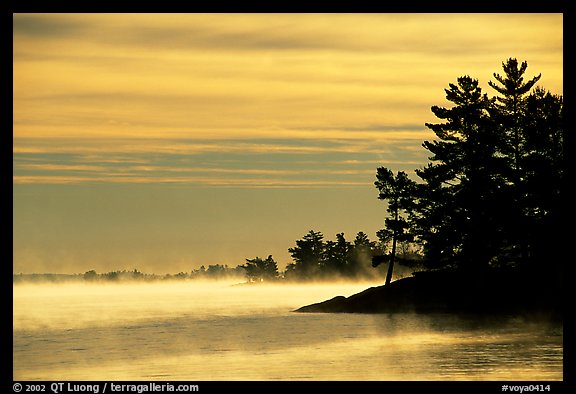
(489, 292)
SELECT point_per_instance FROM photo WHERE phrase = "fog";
(46, 305)
(222, 330)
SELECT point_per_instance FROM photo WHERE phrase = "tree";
(542, 171)
(90, 275)
(512, 118)
(511, 109)
(308, 255)
(399, 191)
(258, 270)
(361, 254)
(216, 271)
(457, 213)
(491, 192)
(335, 260)
(543, 152)
(137, 274)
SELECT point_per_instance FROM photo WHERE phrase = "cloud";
(114, 89)
(224, 76)
(379, 128)
(272, 36)
(397, 33)
(188, 180)
(45, 26)
(291, 143)
(243, 163)
(213, 32)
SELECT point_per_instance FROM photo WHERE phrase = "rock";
(448, 291)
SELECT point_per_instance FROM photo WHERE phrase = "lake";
(193, 330)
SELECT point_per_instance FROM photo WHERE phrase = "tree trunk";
(392, 257)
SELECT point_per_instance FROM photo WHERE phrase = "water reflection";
(221, 332)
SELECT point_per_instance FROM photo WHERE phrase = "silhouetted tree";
(315, 258)
(90, 275)
(491, 192)
(216, 270)
(399, 192)
(307, 255)
(511, 116)
(112, 275)
(543, 173)
(336, 257)
(511, 111)
(361, 254)
(258, 270)
(457, 211)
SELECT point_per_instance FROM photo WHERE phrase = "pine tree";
(542, 174)
(259, 270)
(511, 118)
(398, 191)
(457, 215)
(361, 254)
(511, 109)
(491, 193)
(336, 256)
(308, 255)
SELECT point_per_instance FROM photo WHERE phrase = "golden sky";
(107, 106)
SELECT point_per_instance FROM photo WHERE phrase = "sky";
(164, 142)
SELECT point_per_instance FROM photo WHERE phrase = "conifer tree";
(511, 117)
(259, 270)
(457, 209)
(308, 255)
(399, 191)
(337, 256)
(512, 101)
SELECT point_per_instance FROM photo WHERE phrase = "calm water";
(216, 331)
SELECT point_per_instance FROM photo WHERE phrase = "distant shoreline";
(129, 277)
(112, 277)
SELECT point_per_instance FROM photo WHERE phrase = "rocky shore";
(452, 291)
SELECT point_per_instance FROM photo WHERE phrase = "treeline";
(314, 258)
(215, 271)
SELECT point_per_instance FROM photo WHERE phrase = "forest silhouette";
(490, 195)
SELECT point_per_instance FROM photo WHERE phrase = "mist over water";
(222, 331)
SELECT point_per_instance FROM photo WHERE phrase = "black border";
(460, 387)
(449, 6)
(567, 7)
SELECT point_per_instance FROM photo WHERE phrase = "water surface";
(217, 331)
